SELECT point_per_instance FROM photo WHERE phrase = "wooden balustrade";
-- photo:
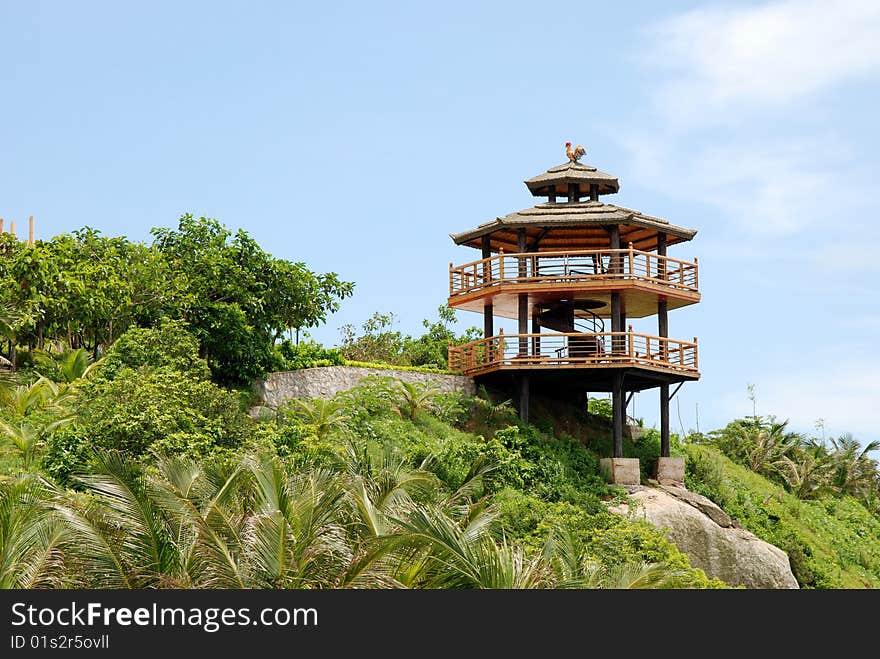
(574, 349)
(573, 267)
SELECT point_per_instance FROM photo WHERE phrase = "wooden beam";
(543, 232)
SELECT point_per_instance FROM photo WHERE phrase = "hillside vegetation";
(832, 541)
(127, 460)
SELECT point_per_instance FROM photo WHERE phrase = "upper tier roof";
(560, 176)
(572, 226)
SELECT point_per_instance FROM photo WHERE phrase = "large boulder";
(711, 540)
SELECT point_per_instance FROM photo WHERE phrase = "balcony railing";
(573, 350)
(573, 268)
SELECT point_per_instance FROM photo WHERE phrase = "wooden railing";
(573, 267)
(574, 349)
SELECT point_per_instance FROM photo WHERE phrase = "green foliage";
(379, 342)
(600, 407)
(306, 354)
(170, 346)
(831, 541)
(161, 411)
(237, 299)
(85, 290)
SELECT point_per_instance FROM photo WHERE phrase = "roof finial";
(574, 154)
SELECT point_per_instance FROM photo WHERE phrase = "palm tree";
(855, 471)
(767, 445)
(30, 537)
(323, 415)
(122, 537)
(809, 475)
(28, 438)
(573, 567)
(68, 366)
(413, 397)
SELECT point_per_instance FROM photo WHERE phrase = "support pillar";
(488, 312)
(663, 331)
(536, 329)
(524, 397)
(617, 404)
(523, 298)
(664, 420)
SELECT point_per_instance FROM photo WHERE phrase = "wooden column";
(488, 320)
(616, 320)
(617, 344)
(617, 407)
(551, 194)
(523, 298)
(536, 329)
(664, 420)
(31, 230)
(663, 331)
(594, 192)
(524, 397)
(573, 195)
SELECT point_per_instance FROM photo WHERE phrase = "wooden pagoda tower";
(571, 271)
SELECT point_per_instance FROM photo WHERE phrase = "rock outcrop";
(711, 540)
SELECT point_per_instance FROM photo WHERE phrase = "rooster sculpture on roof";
(574, 154)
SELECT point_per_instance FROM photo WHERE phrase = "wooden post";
(617, 412)
(631, 259)
(661, 256)
(488, 312)
(616, 317)
(31, 230)
(522, 298)
(594, 192)
(664, 420)
(524, 397)
(12, 227)
(573, 196)
(536, 329)
(551, 194)
(1, 225)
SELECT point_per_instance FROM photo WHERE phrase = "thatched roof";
(572, 226)
(560, 176)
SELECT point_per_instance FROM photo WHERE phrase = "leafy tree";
(237, 299)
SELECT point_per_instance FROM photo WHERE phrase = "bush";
(160, 411)
(169, 346)
(306, 354)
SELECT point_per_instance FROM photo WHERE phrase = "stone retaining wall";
(326, 381)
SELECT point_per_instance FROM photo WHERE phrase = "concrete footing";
(669, 471)
(620, 471)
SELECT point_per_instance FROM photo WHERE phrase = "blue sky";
(356, 137)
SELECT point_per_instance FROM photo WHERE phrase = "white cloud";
(722, 62)
(768, 188)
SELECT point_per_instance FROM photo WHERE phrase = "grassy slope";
(831, 542)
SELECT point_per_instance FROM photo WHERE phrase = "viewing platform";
(673, 358)
(638, 275)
